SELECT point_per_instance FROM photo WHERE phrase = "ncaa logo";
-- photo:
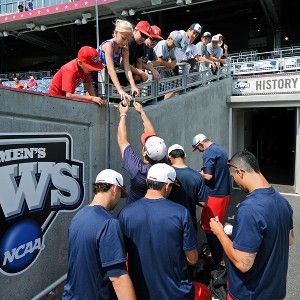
(241, 85)
(38, 179)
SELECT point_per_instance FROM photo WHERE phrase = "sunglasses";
(230, 165)
(153, 40)
(143, 35)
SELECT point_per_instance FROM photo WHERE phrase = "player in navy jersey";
(160, 239)
(97, 268)
(191, 190)
(263, 230)
(217, 179)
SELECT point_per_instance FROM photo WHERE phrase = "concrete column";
(297, 158)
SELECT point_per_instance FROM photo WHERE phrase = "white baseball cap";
(175, 147)
(162, 173)
(215, 38)
(196, 27)
(112, 177)
(199, 138)
(206, 33)
(156, 148)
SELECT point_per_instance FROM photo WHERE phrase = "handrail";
(153, 89)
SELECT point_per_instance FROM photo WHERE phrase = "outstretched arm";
(122, 128)
(148, 127)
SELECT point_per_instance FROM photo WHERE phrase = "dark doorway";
(273, 141)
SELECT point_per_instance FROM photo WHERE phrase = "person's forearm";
(79, 97)
(228, 247)
(148, 66)
(123, 287)
(114, 78)
(90, 89)
(241, 260)
(148, 127)
(129, 75)
(122, 130)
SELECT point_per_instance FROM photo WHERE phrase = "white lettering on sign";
(22, 250)
(34, 180)
(22, 153)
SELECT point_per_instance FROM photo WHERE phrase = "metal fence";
(152, 90)
(11, 6)
(253, 62)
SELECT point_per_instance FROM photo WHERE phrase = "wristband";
(123, 115)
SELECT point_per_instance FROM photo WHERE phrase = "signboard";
(38, 179)
(271, 84)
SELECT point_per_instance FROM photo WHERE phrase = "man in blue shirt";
(263, 230)
(216, 176)
(191, 190)
(154, 150)
(97, 258)
(160, 240)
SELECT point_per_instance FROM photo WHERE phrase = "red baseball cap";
(144, 27)
(145, 136)
(156, 32)
(89, 56)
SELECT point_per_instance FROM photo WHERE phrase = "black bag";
(218, 283)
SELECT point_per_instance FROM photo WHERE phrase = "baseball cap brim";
(156, 36)
(146, 135)
(195, 147)
(95, 67)
(145, 32)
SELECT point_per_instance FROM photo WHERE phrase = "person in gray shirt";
(165, 56)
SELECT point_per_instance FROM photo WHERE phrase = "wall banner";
(271, 84)
(38, 179)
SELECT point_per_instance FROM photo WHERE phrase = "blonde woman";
(114, 52)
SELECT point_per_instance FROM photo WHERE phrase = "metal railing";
(286, 64)
(246, 56)
(12, 6)
(152, 90)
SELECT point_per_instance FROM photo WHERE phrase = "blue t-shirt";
(262, 224)
(157, 234)
(215, 163)
(192, 189)
(137, 170)
(96, 252)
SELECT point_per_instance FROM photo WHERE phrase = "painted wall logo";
(241, 85)
(38, 179)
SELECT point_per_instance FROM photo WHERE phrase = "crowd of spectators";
(25, 5)
(139, 53)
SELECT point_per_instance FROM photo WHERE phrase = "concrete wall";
(28, 113)
(176, 120)
(179, 119)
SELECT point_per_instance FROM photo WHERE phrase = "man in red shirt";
(73, 73)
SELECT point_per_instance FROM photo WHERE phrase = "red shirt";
(32, 83)
(67, 79)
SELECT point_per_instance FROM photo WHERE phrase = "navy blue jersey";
(157, 234)
(262, 225)
(137, 170)
(215, 163)
(96, 252)
(190, 191)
